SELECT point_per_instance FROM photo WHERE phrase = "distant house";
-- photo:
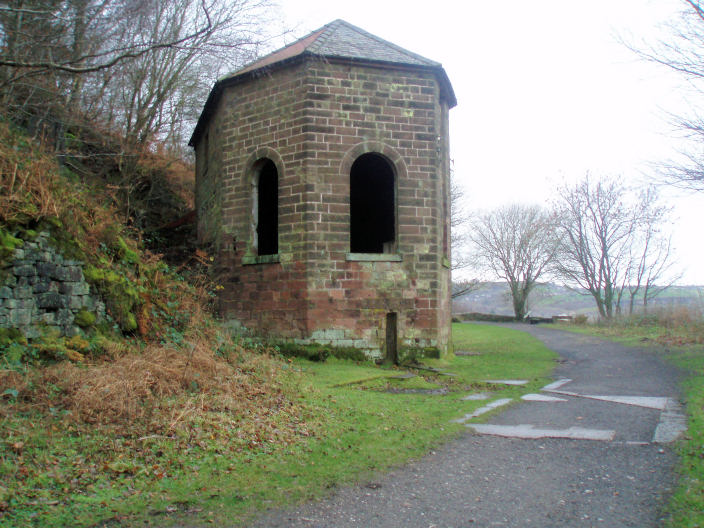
(323, 183)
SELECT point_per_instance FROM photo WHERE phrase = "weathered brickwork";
(263, 118)
(313, 119)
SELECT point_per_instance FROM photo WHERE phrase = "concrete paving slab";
(477, 397)
(564, 393)
(482, 410)
(528, 431)
(507, 382)
(673, 422)
(468, 353)
(556, 384)
(649, 402)
(630, 422)
(541, 398)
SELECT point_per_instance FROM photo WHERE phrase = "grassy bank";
(687, 504)
(680, 335)
(671, 327)
(332, 423)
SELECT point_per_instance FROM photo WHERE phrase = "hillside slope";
(144, 359)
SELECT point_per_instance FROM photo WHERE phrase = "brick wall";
(313, 119)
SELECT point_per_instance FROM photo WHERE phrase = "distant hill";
(552, 299)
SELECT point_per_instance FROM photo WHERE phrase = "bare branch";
(131, 52)
(683, 52)
(465, 287)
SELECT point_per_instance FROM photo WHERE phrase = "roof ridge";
(327, 30)
(278, 54)
(322, 42)
(330, 27)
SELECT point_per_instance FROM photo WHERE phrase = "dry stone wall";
(40, 289)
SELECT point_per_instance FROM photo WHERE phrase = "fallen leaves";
(16, 446)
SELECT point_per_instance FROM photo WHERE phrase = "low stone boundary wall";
(492, 318)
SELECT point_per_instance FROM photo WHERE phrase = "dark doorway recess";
(372, 205)
(268, 209)
(392, 337)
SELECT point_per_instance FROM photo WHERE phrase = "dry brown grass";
(156, 390)
(31, 189)
(152, 400)
(667, 325)
(28, 184)
(150, 382)
(129, 388)
(179, 174)
(684, 325)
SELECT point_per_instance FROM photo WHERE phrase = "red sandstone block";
(337, 294)
(346, 323)
(421, 303)
(364, 293)
(297, 285)
(318, 295)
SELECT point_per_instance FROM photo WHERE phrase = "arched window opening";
(372, 205)
(267, 208)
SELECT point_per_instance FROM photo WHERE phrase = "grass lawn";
(686, 506)
(357, 420)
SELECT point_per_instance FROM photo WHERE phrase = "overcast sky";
(545, 90)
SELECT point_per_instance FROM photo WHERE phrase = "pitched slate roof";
(343, 40)
(336, 40)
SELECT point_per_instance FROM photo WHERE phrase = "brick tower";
(322, 182)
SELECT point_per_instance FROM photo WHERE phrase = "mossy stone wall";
(40, 289)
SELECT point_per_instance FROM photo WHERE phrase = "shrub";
(84, 318)
(309, 352)
(317, 352)
(581, 319)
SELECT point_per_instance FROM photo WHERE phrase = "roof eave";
(236, 78)
(446, 91)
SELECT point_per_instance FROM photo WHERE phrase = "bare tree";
(458, 236)
(159, 95)
(516, 243)
(45, 35)
(458, 224)
(651, 268)
(683, 52)
(596, 228)
(139, 65)
(659, 276)
(465, 287)
(612, 242)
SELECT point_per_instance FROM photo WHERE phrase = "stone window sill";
(249, 260)
(373, 257)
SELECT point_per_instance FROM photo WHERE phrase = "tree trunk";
(78, 50)
(631, 302)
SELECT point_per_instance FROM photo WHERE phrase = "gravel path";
(484, 480)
